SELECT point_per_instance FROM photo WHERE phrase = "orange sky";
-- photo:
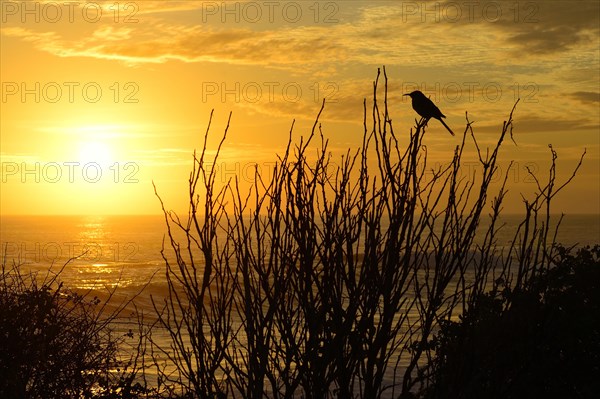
(98, 101)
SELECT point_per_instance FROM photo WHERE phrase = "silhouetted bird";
(426, 108)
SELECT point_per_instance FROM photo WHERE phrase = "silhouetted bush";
(57, 343)
(538, 341)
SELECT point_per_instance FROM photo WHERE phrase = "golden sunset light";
(280, 199)
(135, 83)
(95, 152)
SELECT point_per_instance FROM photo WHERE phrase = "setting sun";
(98, 152)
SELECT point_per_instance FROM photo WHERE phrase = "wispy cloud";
(528, 124)
(377, 33)
(586, 97)
(105, 131)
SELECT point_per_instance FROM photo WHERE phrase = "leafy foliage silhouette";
(542, 340)
(58, 343)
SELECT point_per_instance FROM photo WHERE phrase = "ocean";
(126, 250)
(108, 250)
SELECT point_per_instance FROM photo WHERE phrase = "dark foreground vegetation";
(370, 277)
(57, 343)
(538, 341)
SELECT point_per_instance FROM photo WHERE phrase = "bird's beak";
(406, 94)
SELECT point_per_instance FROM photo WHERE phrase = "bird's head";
(415, 94)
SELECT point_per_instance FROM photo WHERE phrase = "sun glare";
(94, 151)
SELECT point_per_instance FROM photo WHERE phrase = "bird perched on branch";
(426, 108)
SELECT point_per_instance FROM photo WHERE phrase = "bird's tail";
(446, 126)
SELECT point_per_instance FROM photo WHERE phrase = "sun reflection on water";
(89, 252)
(93, 228)
(99, 265)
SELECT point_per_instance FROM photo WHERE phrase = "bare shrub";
(332, 280)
